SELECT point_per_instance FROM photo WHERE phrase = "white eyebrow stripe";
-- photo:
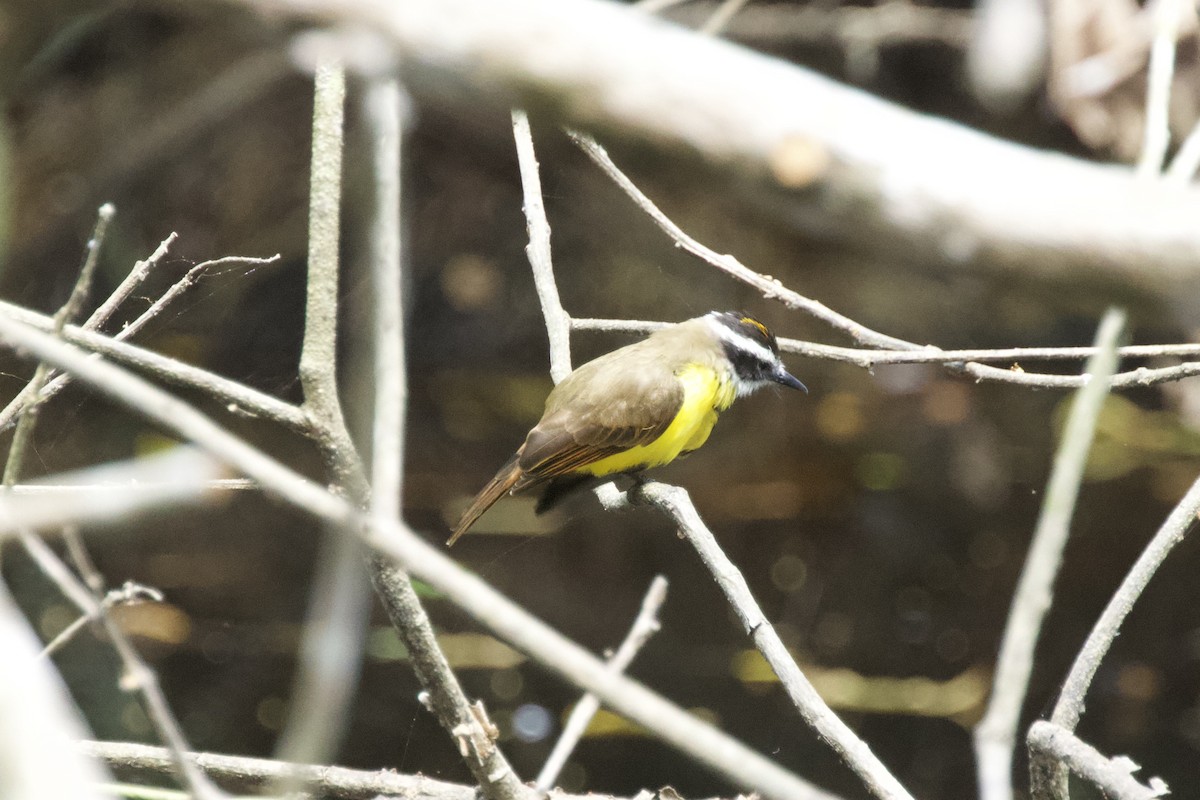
(743, 343)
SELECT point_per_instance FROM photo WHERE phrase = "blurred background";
(881, 520)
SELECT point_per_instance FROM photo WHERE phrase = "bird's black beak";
(782, 376)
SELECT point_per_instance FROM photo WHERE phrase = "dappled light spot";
(947, 402)
(507, 684)
(840, 416)
(531, 723)
(788, 573)
(1139, 681)
(270, 712)
(471, 282)
(879, 471)
(159, 622)
(799, 161)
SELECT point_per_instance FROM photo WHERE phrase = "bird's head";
(752, 351)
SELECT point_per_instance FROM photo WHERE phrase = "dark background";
(881, 520)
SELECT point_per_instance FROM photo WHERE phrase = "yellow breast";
(705, 395)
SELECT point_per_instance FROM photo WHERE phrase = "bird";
(638, 407)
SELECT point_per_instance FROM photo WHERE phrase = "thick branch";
(933, 187)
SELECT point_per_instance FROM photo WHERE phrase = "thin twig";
(868, 358)
(675, 502)
(129, 594)
(80, 558)
(114, 491)
(773, 289)
(57, 384)
(29, 396)
(558, 322)
(721, 17)
(700, 741)
(1187, 159)
(1069, 707)
(1113, 776)
(138, 676)
(23, 436)
(91, 490)
(135, 278)
(330, 652)
(644, 626)
(237, 397)
(1157, 133)
(770, 288)
(996, 733)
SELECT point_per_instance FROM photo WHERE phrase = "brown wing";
(624, 399)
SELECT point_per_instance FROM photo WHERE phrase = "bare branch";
(445, 696)
(89, 491)
(330, 652)
(244, 774)
(135, 278)
(721, 16)
(675, 502)
(770, 288)
(238, 397)
(644, 626)
(383, 108)
(996, 733)
(57, 384)
(558, 322)
(929, 354)
(1070, 703)
(1157, 135)
(131, 593)
(136, 674)
(873, 27)
(83, 284)
(1113, 776)
(318, 355)
(903, 192)
(700, 741)
(178, 476)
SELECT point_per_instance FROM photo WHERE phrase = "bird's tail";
(497, 487)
